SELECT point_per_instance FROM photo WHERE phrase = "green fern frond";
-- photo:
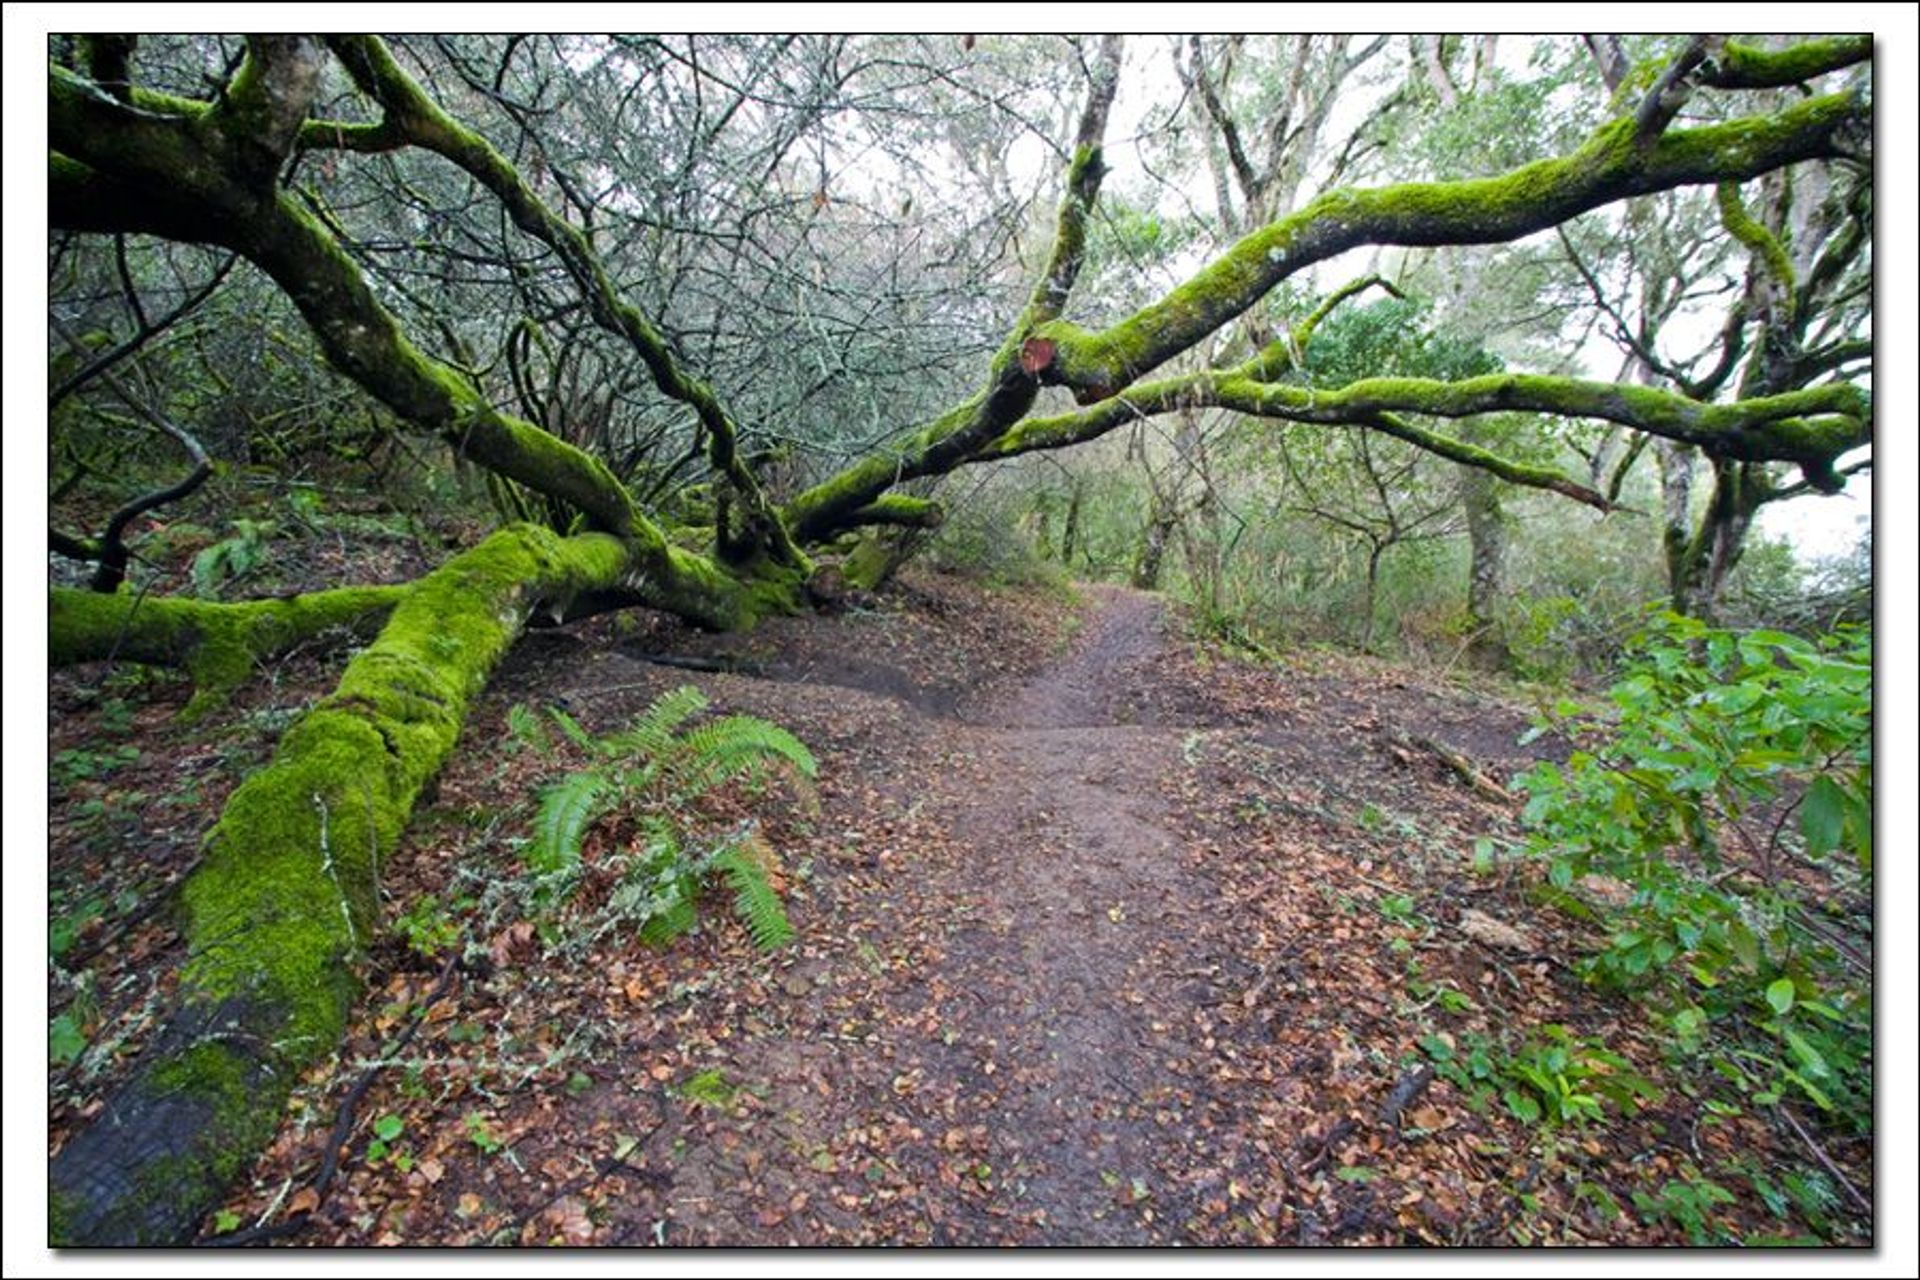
(724, 749)
(571, 727)
(652, 734)
(754, 900)
(567, 809)
(526, 729)
(669, 922)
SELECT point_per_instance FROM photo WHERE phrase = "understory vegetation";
(889, 639)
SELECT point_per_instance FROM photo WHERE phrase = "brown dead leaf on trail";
(511, 943)
(565, 1222)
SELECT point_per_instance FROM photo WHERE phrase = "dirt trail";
(1027, 1048)
(1104, 937)
(1085, 886)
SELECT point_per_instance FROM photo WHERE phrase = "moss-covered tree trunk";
(1151, 557)
(288, 894)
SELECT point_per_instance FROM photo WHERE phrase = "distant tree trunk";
(1374, 551)
(1700, 566)
(1487, 534)
(1070, 527)
(1200, 539)
(1147, 565)
(1676, 532)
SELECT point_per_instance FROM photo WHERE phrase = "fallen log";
(286, 896)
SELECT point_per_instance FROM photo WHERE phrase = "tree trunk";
(288, 890)
(1676, 533)
(1487, 534)
(1714, 551)
(1070, 527)
(1374, 552)
(1161, 518)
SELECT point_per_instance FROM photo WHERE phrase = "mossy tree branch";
(216, 643)
(198, 176)
(413, 117)
(287, 892)
(902, 511)
(1614, 164)
(1812, 427)
(1744, 66)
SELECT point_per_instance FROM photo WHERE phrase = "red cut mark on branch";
(1036, 354)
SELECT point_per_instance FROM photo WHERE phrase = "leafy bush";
(658, 769)
(1733, 796)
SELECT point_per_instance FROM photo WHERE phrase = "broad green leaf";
(1780, 995)
(1823, 815)
(1810, 1057)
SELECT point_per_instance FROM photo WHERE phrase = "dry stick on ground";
(723, 665)
(343, 1126)
(1465, 769)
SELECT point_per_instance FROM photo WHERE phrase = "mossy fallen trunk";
(287, 895)
(216, 644)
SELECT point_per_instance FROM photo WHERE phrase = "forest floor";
(1104, 937)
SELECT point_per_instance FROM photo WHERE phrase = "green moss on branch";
(1612, 165)
(902, 510)
(217, 644)
(1745, 66)
(285, 897)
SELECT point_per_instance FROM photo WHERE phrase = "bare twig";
(1826, 1161)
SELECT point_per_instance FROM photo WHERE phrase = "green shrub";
(1733, 795)
(1554, 1078)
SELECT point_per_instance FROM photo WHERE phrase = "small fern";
(526, 730)
(722, 750)
(652, 734)
(571, 727)
(659, 767)
(567, 808)
(754, 900)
